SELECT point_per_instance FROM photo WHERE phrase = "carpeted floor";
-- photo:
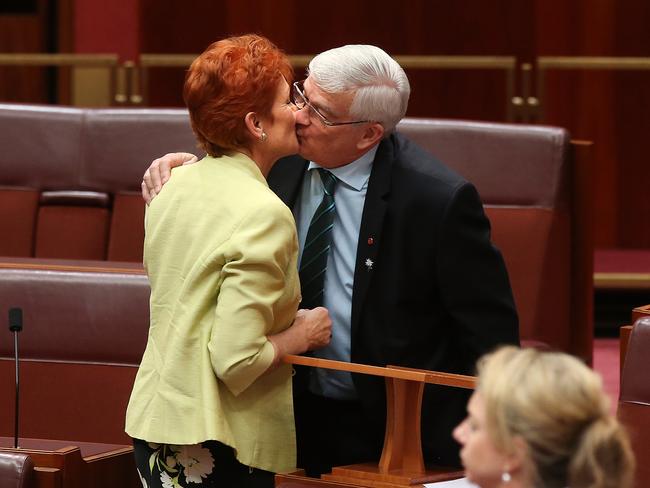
(606, 363)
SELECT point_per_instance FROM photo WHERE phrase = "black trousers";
(334, 433)
(209, 464)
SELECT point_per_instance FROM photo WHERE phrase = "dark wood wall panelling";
(418, 27)
(631, 111)
(606, 107)
(25, 28)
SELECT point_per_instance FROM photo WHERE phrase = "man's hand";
(314, 326)
(159, 172)
(311, 329)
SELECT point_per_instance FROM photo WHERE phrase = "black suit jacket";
(437, 295)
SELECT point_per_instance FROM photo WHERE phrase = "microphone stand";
(15, 326)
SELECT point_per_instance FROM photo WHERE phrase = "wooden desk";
(300, 481)
(67, 464)
(402, 463)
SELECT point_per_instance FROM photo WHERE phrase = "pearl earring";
(505, 477)
(263, 136)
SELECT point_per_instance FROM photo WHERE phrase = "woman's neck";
(263, 161)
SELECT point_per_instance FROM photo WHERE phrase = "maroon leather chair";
(75, 195)
(16, 470)
(634, 399)
(70, 178)
(534, 184)
(85, 329)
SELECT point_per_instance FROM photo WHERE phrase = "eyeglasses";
(299, 99)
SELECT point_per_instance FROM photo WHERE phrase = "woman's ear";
(372, 134)
(253, 125)
(517, 459)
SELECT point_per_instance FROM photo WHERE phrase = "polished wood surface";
(402, 439)
(70, 464)
(300, 481)
(582, 262)
(640, 312)
(396, 372)
(624, 340)
(63, 265)
(401, 463)
(372, 476)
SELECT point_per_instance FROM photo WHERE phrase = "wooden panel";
(605, 106)
(24, 33)
(601, 106)
(569, 102)
(633, 124)
(424, 28)
(118, 34)
(67, 400)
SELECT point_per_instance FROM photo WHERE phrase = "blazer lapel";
(372, 221)
(285, 178)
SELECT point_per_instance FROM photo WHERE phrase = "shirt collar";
(354, 174)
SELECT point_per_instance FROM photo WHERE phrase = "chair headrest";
(634, 382)
(16, 470)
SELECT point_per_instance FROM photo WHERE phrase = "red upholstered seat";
(127, 228)
(75, 195)
(18, 209)
(85, 329)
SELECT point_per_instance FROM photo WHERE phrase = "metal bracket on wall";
(504, 63)
(546, 63)
(92, 78)
(526, 105)
(128, 83)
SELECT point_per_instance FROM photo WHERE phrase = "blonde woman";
(541, 419)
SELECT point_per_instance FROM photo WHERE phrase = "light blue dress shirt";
(350, 195)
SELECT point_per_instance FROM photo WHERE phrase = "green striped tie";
(317, 245)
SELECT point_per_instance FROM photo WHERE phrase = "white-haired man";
(410, 275)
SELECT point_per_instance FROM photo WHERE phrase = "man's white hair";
(382, 88)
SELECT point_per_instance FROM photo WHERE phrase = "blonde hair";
(555, 404)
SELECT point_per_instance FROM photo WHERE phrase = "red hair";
(232, 77)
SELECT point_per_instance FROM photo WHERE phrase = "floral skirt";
(209, 464)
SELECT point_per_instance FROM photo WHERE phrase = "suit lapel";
(285, 178)
(372, 222)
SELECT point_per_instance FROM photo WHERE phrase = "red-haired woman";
(211, 404)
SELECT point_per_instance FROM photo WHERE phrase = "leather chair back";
(16, 470)
(75, 195)
(527, 179)
(70, 178)
(634, 401)
(85, 329)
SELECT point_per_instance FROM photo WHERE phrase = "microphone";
(15, 319)
(15, 326)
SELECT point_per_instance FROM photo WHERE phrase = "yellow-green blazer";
(220, 250)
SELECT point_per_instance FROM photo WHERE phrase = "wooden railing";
(92, 81)
(127, 83)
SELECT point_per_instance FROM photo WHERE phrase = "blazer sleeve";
(477, 292)
(257, 260)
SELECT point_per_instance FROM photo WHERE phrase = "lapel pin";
(369, 264)
(371, 241)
